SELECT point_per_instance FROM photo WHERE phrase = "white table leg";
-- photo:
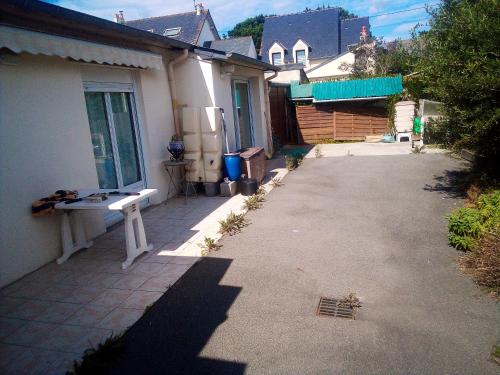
(135, 237)
(70, 245)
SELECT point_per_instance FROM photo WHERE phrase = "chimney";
(198, 7)
(363, 34)
(119, 17)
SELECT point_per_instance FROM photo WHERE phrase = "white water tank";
(403, 116)
(202, 131)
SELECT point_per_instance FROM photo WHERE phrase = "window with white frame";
(277, 59)
(300, 56)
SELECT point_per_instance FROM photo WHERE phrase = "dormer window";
(301, 52)
(277, 59)
(300, 56)
(174, 31)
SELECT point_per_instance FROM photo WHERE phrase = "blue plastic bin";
(233, 166)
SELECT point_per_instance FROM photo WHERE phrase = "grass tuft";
(233, 223)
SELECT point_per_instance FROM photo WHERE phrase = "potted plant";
(176, 147)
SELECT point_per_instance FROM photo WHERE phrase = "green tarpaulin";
(351, 89)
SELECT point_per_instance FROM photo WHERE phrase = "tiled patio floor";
(48, 318)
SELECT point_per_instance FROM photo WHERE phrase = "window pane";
(300, 56)
(277, 58)
(101, 140)
(125, 137)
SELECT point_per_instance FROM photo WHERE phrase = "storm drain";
(334, 308)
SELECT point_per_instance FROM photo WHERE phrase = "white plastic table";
(135, 237)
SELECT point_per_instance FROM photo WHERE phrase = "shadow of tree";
(452, 183)
(172, 333)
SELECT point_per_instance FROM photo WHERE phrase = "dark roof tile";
(239, 45)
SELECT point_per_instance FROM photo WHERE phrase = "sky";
(227, 13)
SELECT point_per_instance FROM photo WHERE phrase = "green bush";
(467, 224)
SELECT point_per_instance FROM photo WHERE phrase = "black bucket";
(248, 186)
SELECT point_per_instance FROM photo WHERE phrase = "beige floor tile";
(157, 284)
(83, 294)
(89, 315)
(32, 361)
(187, 260)
(104, 280)
(31, 309)
(74, 339)
(111, 297)
(131, 281)
(141, 299)
(56, 292)
(148, 268)
(9, 304)
(31, 334)
(120, 319)
(10, 325)
(8, 354)
(27, 289)
(175, 270)
(58, 312)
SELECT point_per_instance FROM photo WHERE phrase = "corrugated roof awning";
(355, 89)
(21, 40)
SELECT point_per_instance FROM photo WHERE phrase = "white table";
(135, 237)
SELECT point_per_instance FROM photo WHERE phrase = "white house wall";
(206, 34)
(202, 83)
(46, 146)
(324, 68)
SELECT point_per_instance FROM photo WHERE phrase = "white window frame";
(235, 112)
(277, 48)
(297, 58)
(273, 58)
(106, 89)
(300, 45)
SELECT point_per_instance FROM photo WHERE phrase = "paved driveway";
(370, 225)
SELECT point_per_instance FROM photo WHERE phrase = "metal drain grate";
(334, 308)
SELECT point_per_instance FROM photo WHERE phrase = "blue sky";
(227, 13)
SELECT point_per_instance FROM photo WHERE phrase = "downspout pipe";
(270, 144)
(173, 89)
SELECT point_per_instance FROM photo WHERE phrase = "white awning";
(20, 40)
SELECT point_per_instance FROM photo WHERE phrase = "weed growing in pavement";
(209, 244)
(276, 182)
(253, 202)
(318, 153)
(98, 360)
(418, 149)
(233, 223)
(351, 301)
(293, 161)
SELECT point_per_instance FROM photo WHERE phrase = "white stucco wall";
(300, 45)
(45, 146)
(324, 68)
(206, 34)
(287, 76)
(201, 84)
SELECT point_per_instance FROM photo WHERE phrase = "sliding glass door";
(114, 139)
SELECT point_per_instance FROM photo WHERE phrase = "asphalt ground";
(371, 225)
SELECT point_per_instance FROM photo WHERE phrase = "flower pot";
(176, 149)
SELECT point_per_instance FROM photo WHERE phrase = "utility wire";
(401, 11)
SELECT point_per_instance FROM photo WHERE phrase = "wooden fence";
(348, 122)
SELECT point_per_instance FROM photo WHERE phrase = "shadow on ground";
(452, 183)
(172, 333)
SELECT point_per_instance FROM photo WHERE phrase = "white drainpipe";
(173, 89)
(267, 112)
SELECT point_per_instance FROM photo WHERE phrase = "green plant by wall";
(467, 224)
(253, 202)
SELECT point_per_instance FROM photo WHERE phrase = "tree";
(460, 67)
(250, 27)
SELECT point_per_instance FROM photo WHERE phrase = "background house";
(319, 40)
(196, 27)
(243, 45)
(89, 103)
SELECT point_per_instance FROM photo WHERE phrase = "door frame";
(235, 112)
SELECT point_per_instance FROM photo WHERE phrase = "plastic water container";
(233, 166)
